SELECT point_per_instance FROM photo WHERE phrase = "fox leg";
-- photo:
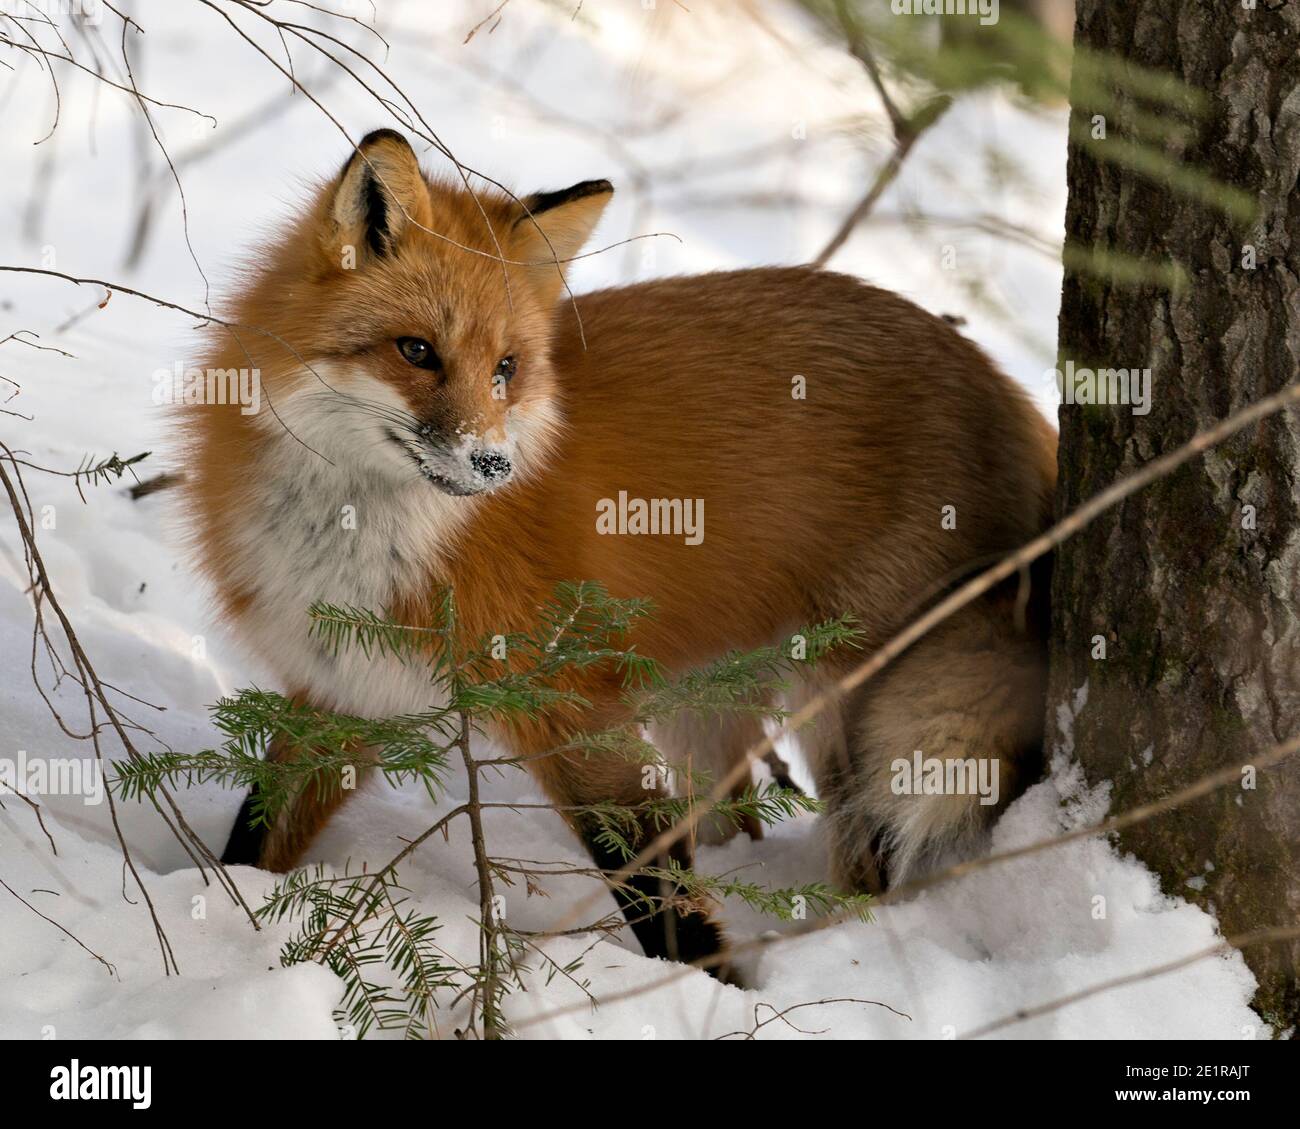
(855, 858)
(279, 846)
(665, 926)
(711, 746)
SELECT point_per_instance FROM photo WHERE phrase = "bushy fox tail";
(935, 746)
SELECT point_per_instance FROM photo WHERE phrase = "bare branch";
(1228, 945)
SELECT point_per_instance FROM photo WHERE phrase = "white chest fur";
(313, 532)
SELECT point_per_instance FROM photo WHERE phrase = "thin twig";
(111, 970)
(784, 1012)
(1230, 944)
(907, 130)
(487, 911)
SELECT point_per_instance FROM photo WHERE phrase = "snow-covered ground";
(755, 109)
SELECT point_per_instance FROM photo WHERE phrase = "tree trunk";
(1193, 585)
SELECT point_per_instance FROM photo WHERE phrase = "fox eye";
(418, 352)
(505, 369)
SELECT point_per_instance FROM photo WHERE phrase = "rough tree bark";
(1196, 594)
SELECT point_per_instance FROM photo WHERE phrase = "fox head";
(402, 327)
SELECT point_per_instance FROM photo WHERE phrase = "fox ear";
(379, 193)
(556, 225)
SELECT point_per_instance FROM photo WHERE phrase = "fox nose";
(490, 465)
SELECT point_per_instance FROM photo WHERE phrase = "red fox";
(839, 451)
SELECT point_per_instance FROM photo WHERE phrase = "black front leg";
(663, 932)
(244, 847)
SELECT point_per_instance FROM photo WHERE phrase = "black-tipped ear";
(556, 225)
(380, 192)
(540, 202)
